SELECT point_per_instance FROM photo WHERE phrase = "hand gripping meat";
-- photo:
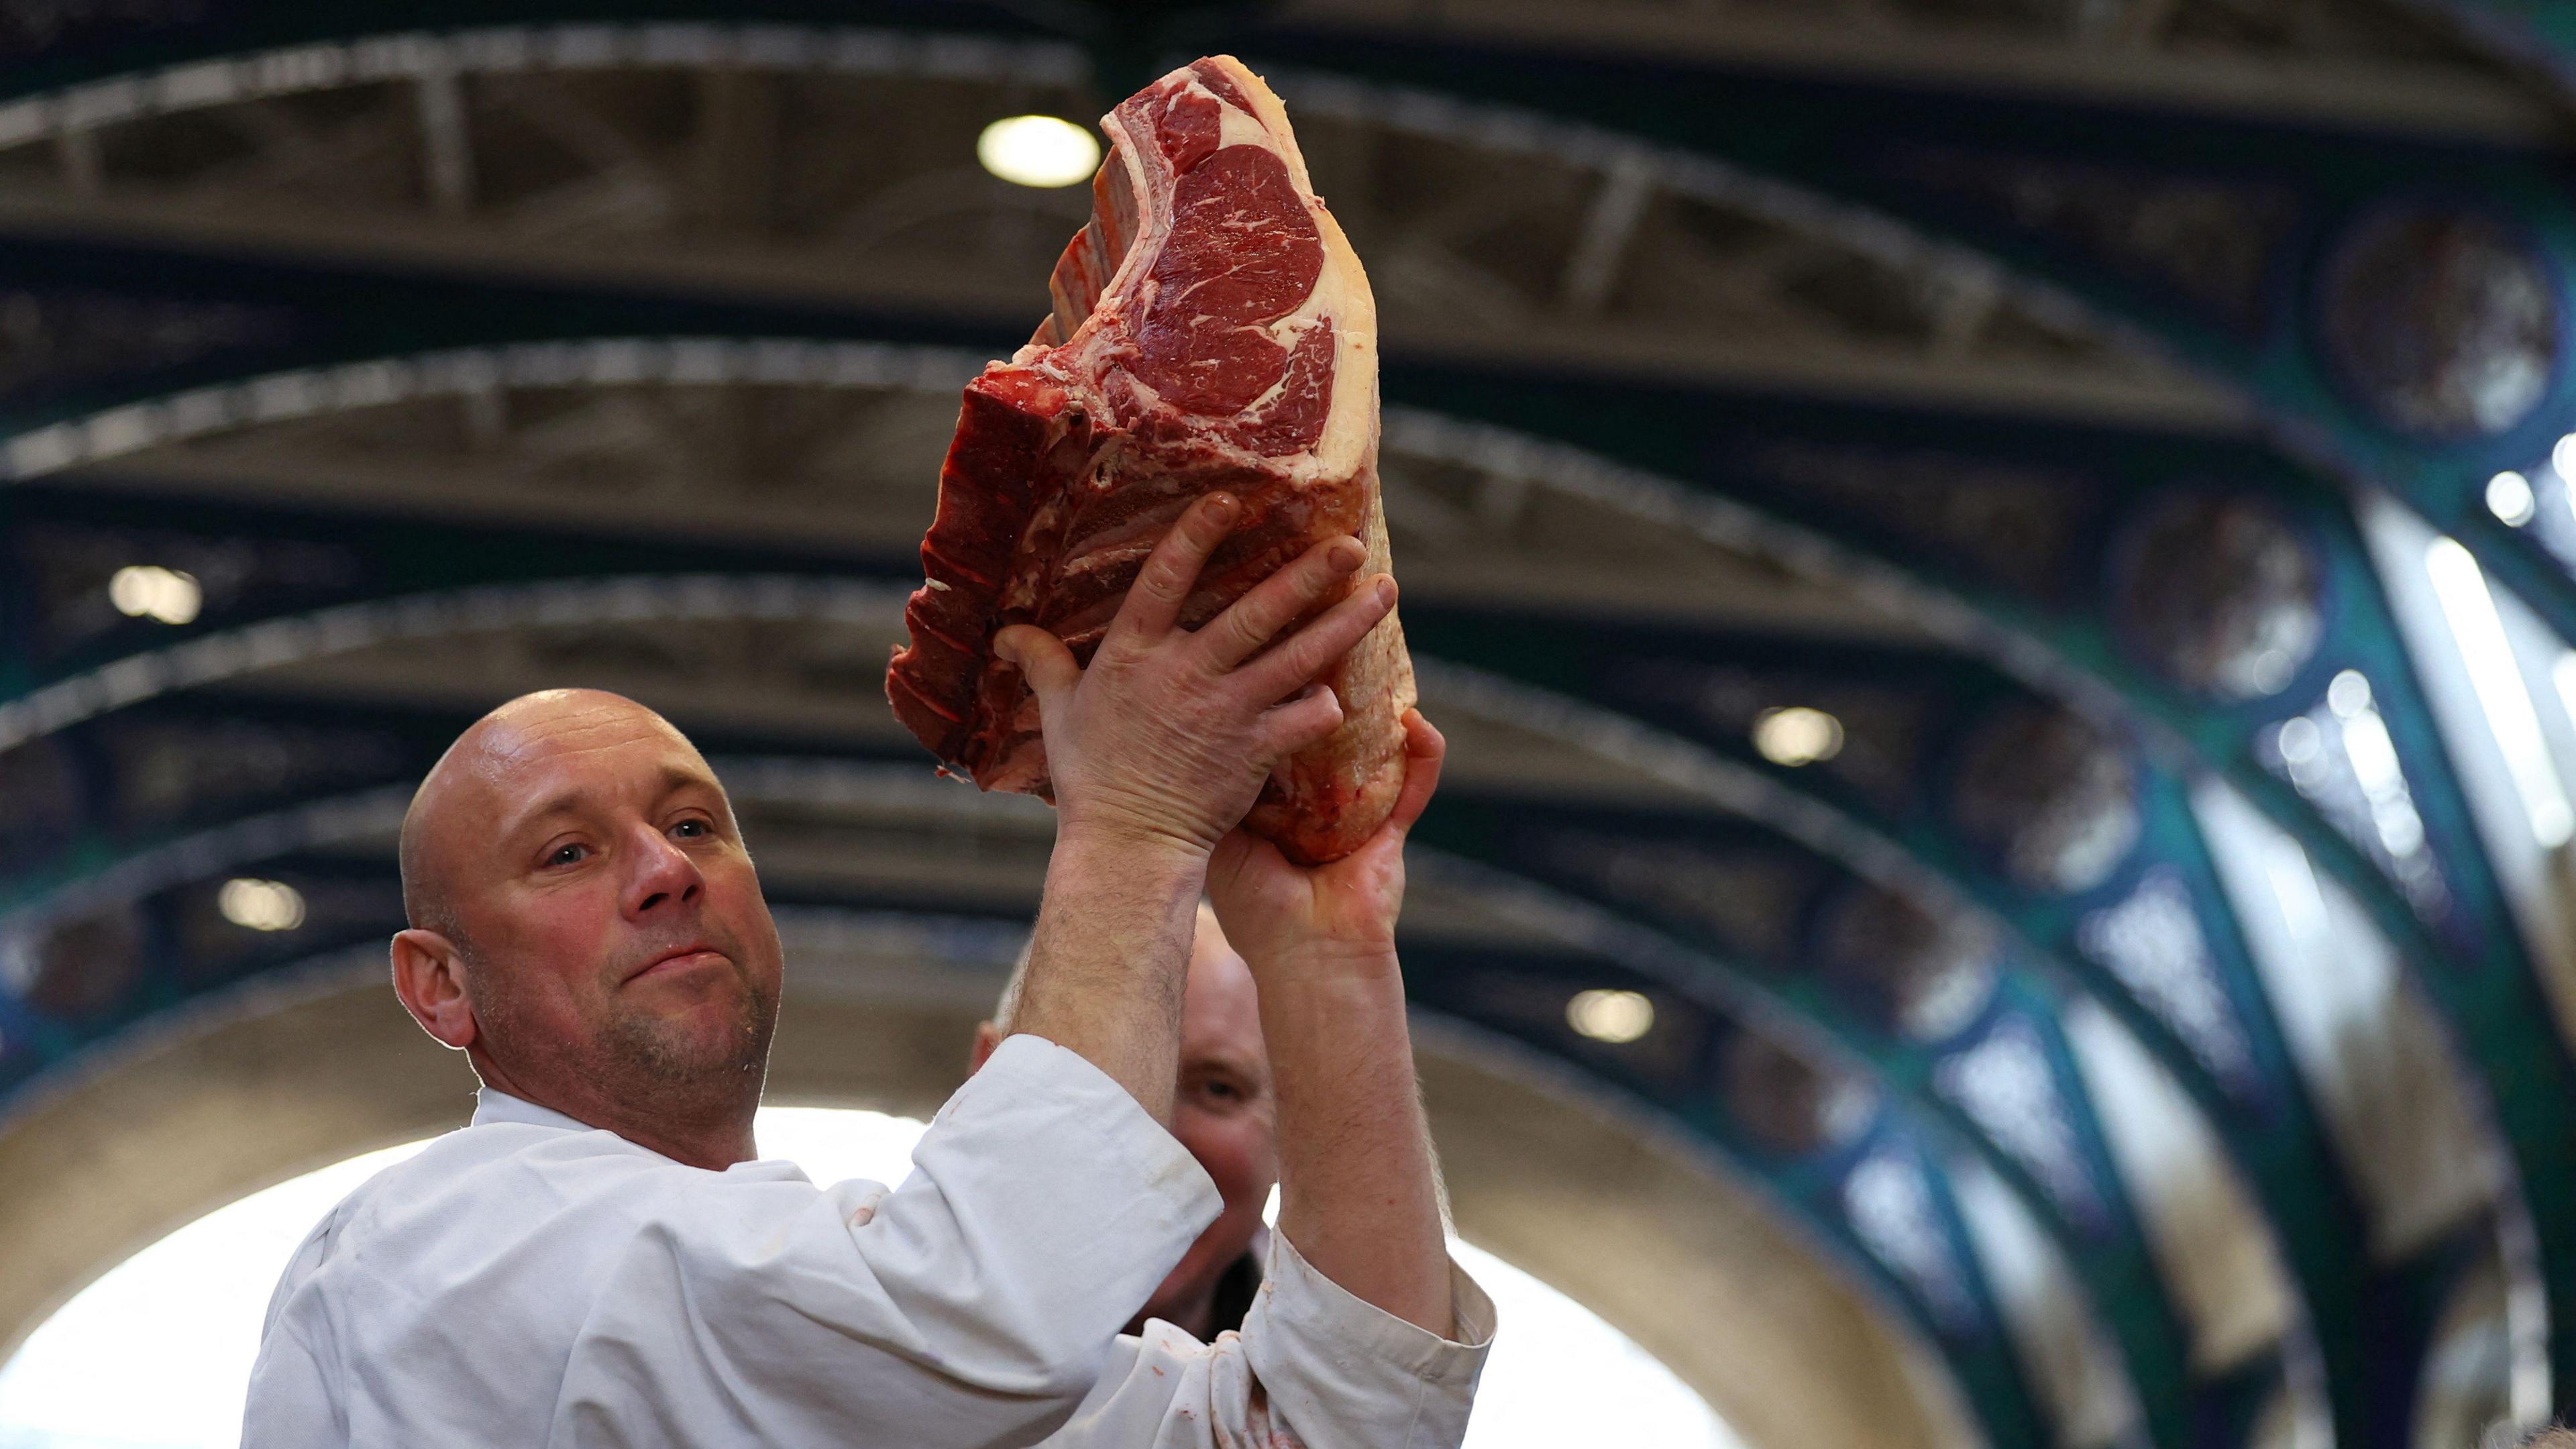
(1212, 330)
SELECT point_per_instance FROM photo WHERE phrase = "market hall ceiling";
(1916, 521)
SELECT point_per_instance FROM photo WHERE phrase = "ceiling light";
(2496, 677)
(1797, 735)
(261, 905)
(145, 591)
(1611, 1016)
(2562, 456)
(2509, 498)
(2300, 740)
(1038, 151)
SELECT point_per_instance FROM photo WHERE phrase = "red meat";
(1212, 330)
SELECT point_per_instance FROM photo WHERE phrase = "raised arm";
(1363, 1336)
(1359, 1189)
(1156, 750)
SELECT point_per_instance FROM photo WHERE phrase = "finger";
(1154, 601)
(1424, 749)
(1248, 626)
(1305, 720)
(1313, 649)
(1041, 658)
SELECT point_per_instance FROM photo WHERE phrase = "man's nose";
(662, 874)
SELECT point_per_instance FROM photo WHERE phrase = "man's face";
(615, 937)
(1223, 1114)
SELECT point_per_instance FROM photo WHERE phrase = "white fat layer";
(1236, 126)
(1238, 129)
(1341, 291)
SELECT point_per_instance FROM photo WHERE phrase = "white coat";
(529, 1280)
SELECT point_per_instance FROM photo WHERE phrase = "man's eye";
(690, 828)
(1224, 1091)
(566, 855)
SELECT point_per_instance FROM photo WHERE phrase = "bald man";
(600, 1259)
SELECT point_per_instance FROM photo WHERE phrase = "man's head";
(1223, 1113)
(586, 924)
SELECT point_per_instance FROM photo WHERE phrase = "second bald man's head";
(585, 919)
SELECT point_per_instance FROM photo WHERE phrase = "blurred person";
(1223, 1113)
(598, 1258)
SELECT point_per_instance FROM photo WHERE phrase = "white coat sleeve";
(1313, 1366)
(290, 1400)
(975, 1305)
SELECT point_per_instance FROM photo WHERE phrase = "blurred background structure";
(1999, 571)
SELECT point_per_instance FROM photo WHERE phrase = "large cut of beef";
(1212, 330)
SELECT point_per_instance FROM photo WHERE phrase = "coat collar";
(491, 1105)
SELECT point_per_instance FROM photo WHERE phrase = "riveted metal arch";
(2487, 989)
(55, 896)
(1944, 1295)
(1968, 170)
(1819, 134)
(39, 447)
(322, 387)
(46, 446)
(1830, 1191)
(2216, 1035)
(614, 48)
(2468, 957)
(2123, 1275)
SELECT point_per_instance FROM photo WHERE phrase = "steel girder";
(1874, 1193)
(2321, 1269)
(1641, 674)
(2064, 211)
(2278, 798)
(2054, 1160)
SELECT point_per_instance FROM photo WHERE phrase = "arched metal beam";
(1451, 119)
(2075, 1196)
(984, 55)
(2300, 1174)
(1803, 131)
(1912, 1251)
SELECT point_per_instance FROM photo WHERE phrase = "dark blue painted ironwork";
(2076, 1195)
(1967, 159)
(346, 539)
(175, 952)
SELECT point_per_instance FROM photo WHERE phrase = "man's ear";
(429, 976)
(987, 1037)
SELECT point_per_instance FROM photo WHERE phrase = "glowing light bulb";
(2509, 498)
(147, 591)
(1797, 735)
(1040, 151)
(1612, 1016)
(261, 905)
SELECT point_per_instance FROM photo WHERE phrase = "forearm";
(1110, 957)
(1359, 1189)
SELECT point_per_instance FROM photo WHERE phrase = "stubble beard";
(649, 1058)
(635, 1057)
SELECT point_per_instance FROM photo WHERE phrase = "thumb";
(1041, 657)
